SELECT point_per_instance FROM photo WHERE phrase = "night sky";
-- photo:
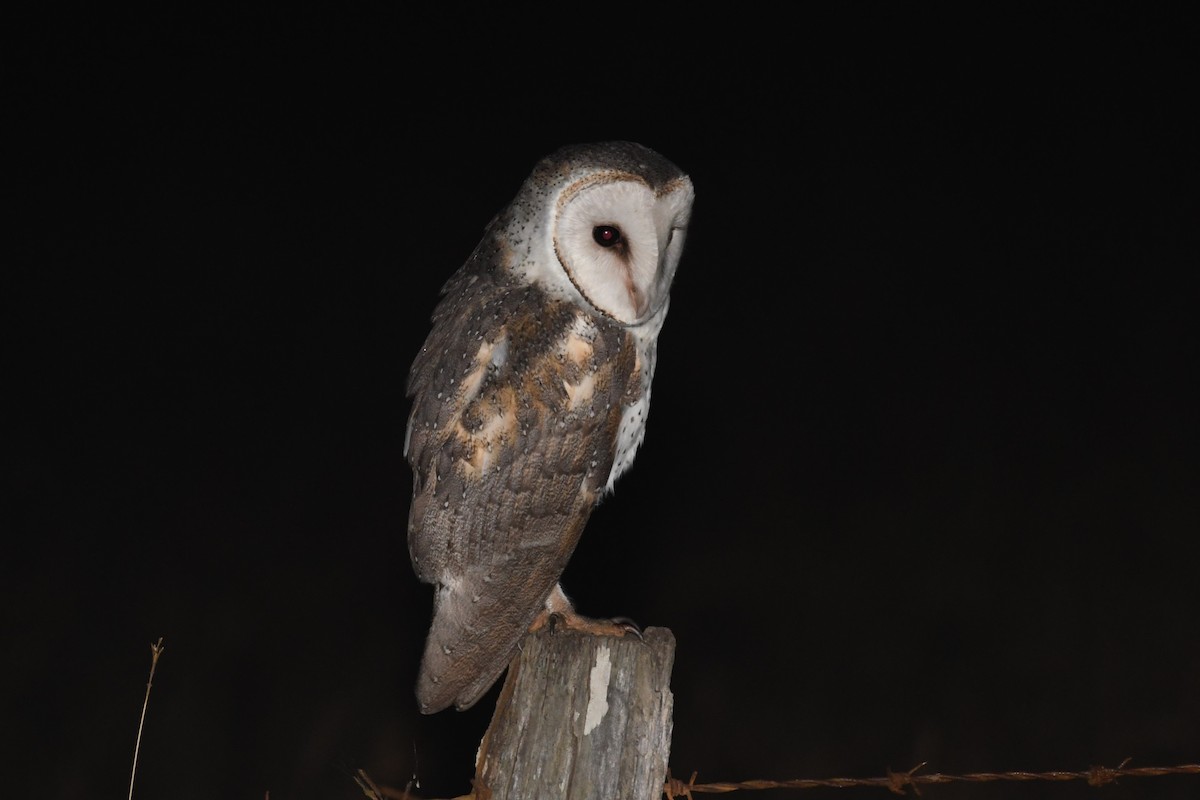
(920, 480)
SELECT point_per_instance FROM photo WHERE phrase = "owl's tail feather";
(475, 634)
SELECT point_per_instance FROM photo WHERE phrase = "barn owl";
(529, 400)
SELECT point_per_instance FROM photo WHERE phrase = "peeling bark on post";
(581, 717)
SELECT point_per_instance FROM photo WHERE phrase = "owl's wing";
(517, 400)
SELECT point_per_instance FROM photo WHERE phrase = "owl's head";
(603, 224)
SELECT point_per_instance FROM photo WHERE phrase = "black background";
(920, 477)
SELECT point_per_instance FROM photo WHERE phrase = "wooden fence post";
(581, 717)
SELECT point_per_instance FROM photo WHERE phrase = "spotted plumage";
(529, 398)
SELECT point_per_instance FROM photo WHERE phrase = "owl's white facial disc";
(619, 242)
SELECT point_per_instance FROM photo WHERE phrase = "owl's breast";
(631, 429)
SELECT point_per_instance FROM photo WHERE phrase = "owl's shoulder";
(484, 305)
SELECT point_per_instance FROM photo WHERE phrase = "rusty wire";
(897, 782)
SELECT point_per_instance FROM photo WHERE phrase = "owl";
(529, 400)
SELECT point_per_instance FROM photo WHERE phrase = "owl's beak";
(637, 298)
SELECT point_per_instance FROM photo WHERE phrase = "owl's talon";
(628, 625)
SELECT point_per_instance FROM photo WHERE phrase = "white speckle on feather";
(598, 691)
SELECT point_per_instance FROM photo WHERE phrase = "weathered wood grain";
(581, 717)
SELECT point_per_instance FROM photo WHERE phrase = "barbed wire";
(898, 782)
(895, 782)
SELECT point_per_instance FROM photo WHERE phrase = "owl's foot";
(557, 620)
(559, 613)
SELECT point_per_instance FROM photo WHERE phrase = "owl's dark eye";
(606, 235)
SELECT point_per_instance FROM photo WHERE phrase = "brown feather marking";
(474, 379)
(578, 349)
(493, 420)
(580, 373)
